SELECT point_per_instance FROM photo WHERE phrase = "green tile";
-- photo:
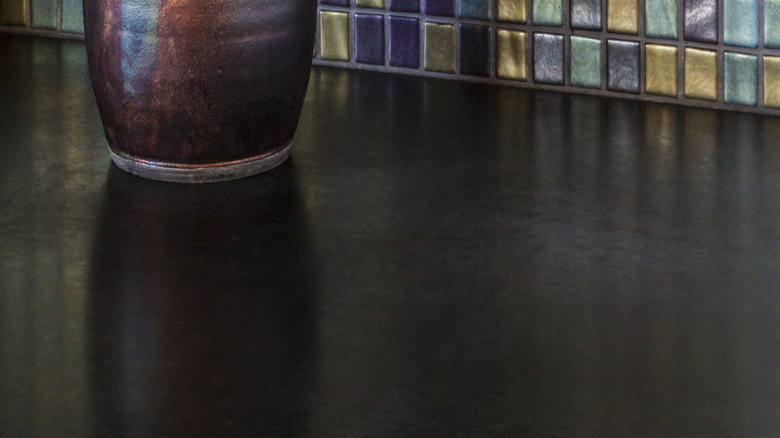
(772, 23)
(740, 77)
(740, 22)
(72, 16)
(44, 14)
(585, 62)
(548, 12)
(661, 18)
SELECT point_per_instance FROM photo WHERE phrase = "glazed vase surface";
(199, 90)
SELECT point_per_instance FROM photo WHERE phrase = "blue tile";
(335, 2)
(369, 39)
(623, 66)
(477, 9)
(548, 58)
(475, 50)
(404, 42)
(661, 18)
(440, 7)
(740, 78)
(740, 22)
(585, 14)
(405, 5)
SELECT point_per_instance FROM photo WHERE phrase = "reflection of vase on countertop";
(194, 90)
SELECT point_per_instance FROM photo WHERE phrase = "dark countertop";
(436, 259)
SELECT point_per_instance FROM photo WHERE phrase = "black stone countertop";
(436, 259)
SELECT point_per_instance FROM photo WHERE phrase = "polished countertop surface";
(436, 259)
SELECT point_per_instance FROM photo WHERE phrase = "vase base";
(200, 173)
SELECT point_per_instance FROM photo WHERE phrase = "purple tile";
(370, 39)
(701, 21)
(440, 7)
(335, 2)
(405, 5)
(405, 42)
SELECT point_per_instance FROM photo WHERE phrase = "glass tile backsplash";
(714, 53)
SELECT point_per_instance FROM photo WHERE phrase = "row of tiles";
(548, 63)
(701, 18)
(55, 15)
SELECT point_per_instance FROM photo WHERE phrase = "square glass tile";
(43, 14)
(511, 58)
(623, 66)
(405, 5)
(661, 70)
(701, 21)
(439, 47)
(475, 50)
(585, 14)
(13, 12)
(740, 78)
(585, 62)
(548, 58)
(772, 81)
(334, 36)
(512, 11)
(72, 16)
(370, 39)
(548, 12)
(740, 22)
(661, 18)
(404, 42)
(772, 23)
(623, 16)
(701, 74)
(377, 4)
(440, 7)
(335, 2)
(476, 9)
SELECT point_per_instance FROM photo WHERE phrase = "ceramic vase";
(199, 90)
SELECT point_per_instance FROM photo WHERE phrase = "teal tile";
(585, 61)
(548, 12)
(477, 9)
(740, 22)
(72, 16)
(772, 23)
(661, 18)
(43, 14)
(740, 77)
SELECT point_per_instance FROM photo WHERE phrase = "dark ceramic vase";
(199, 90)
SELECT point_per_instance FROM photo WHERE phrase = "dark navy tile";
(701, 21)
(586, 14)
(405, 5)
(548, 58)
(335, 2)
(370, 39)
(623, 66)
(440, 7)
(404, 42)
(474, 50)
(477, 9)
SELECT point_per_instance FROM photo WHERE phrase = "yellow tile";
(13, 12)
(370, 3)
(511, 55)
(772, 81)
(661, 70)
(701, 74)
(334, 35)
(513, 11)
(623, 16)
(440, 47)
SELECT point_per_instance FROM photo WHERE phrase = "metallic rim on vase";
(200, 173)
